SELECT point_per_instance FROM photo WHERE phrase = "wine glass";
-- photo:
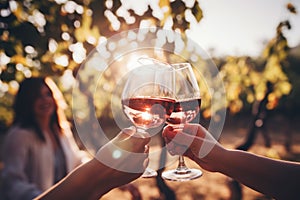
(147, 98)
(186, 108)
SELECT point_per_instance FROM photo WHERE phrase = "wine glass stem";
(182, 168)
(148, 173)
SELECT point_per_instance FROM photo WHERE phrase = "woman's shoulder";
(17, 131)
(18, 138)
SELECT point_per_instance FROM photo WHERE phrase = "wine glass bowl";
(147, 112)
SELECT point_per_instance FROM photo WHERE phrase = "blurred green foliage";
(55, 37)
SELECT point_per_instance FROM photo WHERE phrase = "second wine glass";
(186, 108)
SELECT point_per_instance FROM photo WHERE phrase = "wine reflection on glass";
(147, 99)
(185, 109)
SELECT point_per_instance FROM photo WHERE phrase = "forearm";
(276, 178)
(88, 181)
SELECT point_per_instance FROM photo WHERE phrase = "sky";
(242, 27)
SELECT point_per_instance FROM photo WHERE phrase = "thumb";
(125, 133)
(203, 142)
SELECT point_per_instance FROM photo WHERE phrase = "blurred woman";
(39, 149)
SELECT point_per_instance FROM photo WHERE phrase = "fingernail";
(146, 149)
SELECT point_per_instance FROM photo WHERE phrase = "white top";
(29, 162)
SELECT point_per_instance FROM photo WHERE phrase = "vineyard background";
(54, 38)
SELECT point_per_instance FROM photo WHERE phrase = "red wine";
(149, 112)
(184, 111)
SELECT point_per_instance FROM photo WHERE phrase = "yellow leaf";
(236, 106)
(197, 12)
(285, 87)
(250, 98)
(260, 90)
(79, 34)
(163, 4)
(19, 59)
(19, 13)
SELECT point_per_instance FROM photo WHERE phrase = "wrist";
(99, 178)
(224, 161)
(217, 158)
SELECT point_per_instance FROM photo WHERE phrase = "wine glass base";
(173, 175)
(149, 173)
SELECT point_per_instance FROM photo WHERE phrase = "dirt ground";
(212, 186)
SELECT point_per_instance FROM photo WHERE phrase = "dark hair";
(28, 92)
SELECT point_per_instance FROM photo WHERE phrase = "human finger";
(132, 141)
(195, 129)
(179, 137)
(175, 149)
